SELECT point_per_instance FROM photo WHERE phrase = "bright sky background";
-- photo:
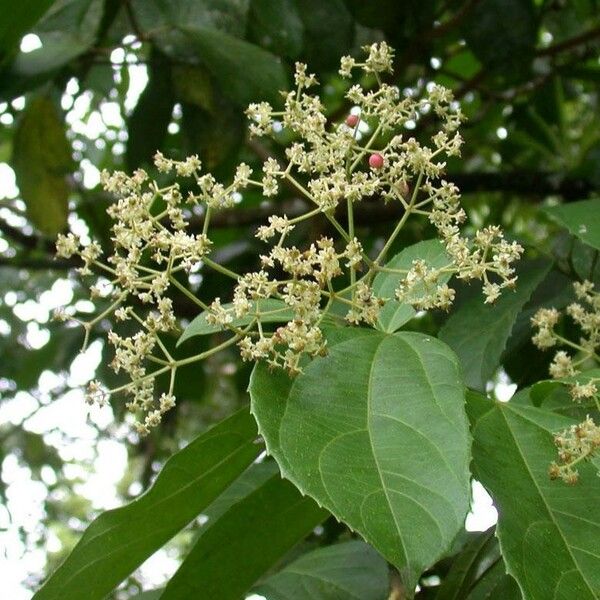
(66, 423)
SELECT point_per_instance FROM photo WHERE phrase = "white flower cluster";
(575, 444)
(580, 441)
(367, 156)
(585, 314)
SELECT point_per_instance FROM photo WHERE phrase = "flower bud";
(376, 161)
(352, 120)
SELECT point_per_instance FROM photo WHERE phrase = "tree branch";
(31, 242)
(570, 44)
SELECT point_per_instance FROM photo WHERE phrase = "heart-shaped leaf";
(376, 432)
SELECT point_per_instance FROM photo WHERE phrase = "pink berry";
(376, 161)
(352, 120)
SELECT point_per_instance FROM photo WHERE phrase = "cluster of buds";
(579, 442)
(368, 155)
(576, 444)
(586, 315)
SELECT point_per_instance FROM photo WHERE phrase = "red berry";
(376, 161)
(352, 120)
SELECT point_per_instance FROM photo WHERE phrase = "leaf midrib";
(375, 459)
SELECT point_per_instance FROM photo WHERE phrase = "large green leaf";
(211, 32)
(502, 34)
(244, 542)
(582, 219)
(67, 31)
(278, 309)
(17, 19)
(376, 432)
(245, 72)
(478, 572)
(347, 571)
(119, 540)
(41, 160)
(158, 16)
(328, 32)
(249, 481)
(549, 531)
(478, 332)
(394, 314)
(276, 25)
(215, 137)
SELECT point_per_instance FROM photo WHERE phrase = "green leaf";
(277, 26)
(120, 540)
(346, 571)
(400, 21)
(502, 34)
(376, 432)
(554, 395)
(199, 326)
(148, 122)
(17, 19)
(495, 583)
(586, 262)
(582, 219)
(479, 572)
(394, 314)
(244, 542)
(250, 480)
(244, 72)
(478, 332)
(158, 16)
(41, 160)
(147, 595)
(67, 31)
(328, 32)
(214, 137)
(556, 290)
(549, 531)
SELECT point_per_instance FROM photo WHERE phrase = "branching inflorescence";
(579, 442)
(369, 155)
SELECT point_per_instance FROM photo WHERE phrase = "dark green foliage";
(375, 433)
